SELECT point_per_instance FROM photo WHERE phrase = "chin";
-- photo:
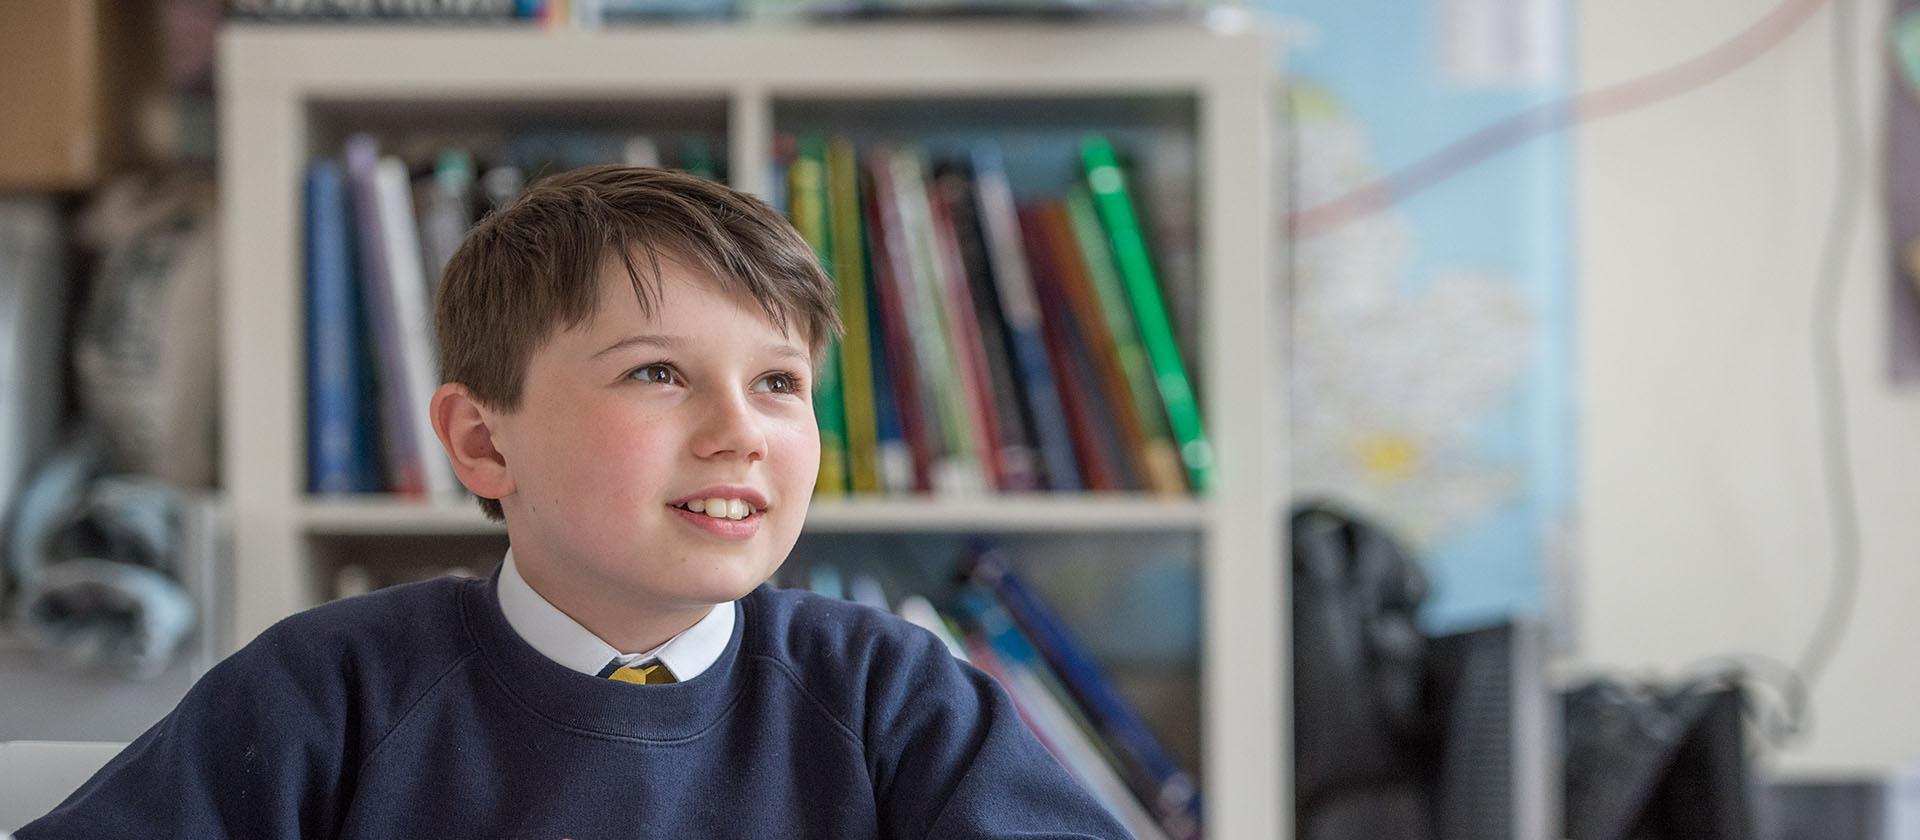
(725, 584)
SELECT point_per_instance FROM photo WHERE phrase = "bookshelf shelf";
(377, 515)
(1032, 512)
(288, 92)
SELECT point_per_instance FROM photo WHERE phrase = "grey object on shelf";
(33, 304)
(47, 699)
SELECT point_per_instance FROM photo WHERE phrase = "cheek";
(604, 456)
(797, 446)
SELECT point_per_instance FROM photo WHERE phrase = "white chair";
(35, 776)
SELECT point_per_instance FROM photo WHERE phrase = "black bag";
(1657, 763)
(1361, 751)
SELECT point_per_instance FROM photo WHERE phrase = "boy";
(627, 355)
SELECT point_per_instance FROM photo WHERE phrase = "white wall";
(1700, 223)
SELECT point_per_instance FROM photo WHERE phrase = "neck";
(624, 624)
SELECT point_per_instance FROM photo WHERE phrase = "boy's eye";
(657, 373)
(778, 383)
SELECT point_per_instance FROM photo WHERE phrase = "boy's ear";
(465, 428)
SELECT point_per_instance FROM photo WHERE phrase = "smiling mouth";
(733, 509)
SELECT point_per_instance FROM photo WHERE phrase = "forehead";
(679, 297)
(672, 283)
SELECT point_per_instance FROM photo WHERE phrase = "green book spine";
(1110, 196)
(696, 158)
(807, 198)
(1164, 472)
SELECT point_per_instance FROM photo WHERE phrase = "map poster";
(1431, 286)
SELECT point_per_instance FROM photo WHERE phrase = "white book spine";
(958, 471)
(1080, 755)
(408, 285)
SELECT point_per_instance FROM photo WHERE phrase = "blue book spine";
(896, 459)
(1020, 311)
(1176, 797)
(371, 458)
(337, 454)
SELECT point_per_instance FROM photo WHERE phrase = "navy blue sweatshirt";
(417, 712)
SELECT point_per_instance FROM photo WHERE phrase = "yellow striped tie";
(655, 674)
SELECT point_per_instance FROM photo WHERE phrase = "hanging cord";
(1835, 443)
(1779, 696)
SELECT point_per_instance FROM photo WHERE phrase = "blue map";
(1431, 284)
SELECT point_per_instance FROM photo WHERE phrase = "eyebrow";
(662, 342)
(674, 343)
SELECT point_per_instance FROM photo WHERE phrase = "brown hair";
(532, 268)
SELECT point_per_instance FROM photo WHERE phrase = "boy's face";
(662, 463)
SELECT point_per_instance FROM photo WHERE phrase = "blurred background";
(1560, 362)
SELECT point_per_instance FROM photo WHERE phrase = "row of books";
(990, 345)
(596, 13)
(997, 622)
(378, 231)
(543, 12)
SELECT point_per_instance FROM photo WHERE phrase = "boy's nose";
(730, 428)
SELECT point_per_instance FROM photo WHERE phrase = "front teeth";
(735, 509)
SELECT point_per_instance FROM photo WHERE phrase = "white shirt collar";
(558, 637)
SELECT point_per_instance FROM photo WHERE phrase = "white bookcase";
(289, 91)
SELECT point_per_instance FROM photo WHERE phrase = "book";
(850, 279)
(807, 200)
(502, 183)
(1018, 462)
(979, 653)
(892, 454)
(998, 647)
(892, 293)
(697, 158)
(445, 210)
(395, 10)
(1160, 460)
(972, 375)
(866, 589)
(640, 150)
(1109, 387)
(1112, 199)
(339, 459)
(825, 580)
(779, 161)
(413, 316)
(957, 468)
(921, 613)
(1168, 790)
(1095, 446)
(588, 14)
(1166, 168)
(1020, 312)
(400, 443)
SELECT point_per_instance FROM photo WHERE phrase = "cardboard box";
(75, 74)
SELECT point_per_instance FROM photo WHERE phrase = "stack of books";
(991, 345)
(997, 622)
(379, 230)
